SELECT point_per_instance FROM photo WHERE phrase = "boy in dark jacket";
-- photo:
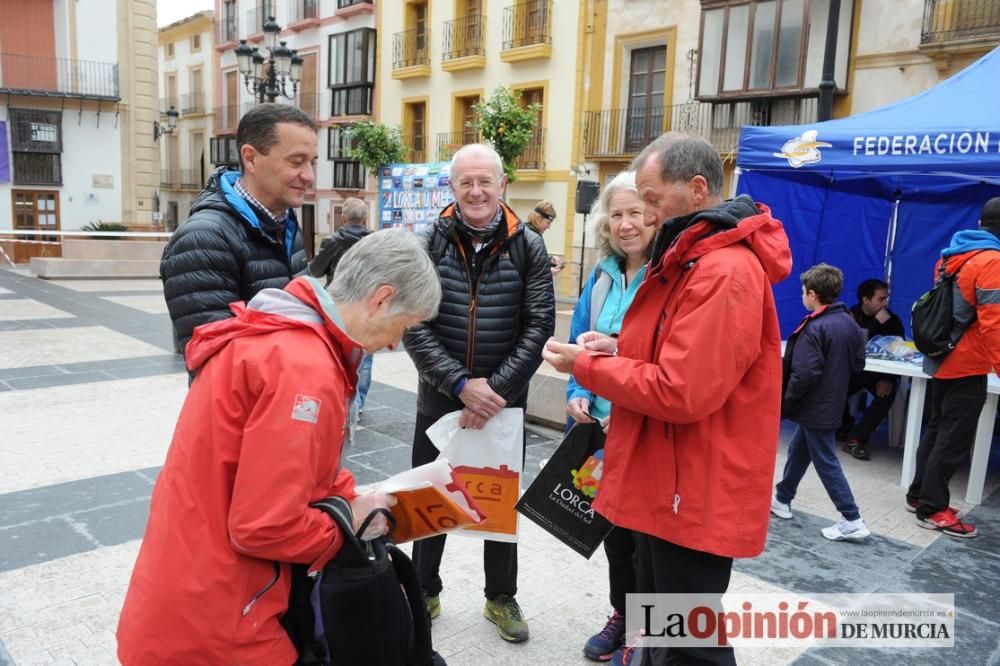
(820, 357)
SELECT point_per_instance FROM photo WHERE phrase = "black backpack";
(364, 607)
(935, 331)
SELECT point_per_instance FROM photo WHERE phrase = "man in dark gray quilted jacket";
(241, 235)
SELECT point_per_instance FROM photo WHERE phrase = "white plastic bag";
(489, 462)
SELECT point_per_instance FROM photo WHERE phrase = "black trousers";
(499, 557)
(666, 568)
(619, 546)
(876, 412)
(947, 441)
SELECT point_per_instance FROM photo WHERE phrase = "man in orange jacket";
(694, 379)
(958, 384)
(260, 439)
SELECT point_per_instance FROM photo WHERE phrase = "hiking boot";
(857, 449)
(946, 522)
(602, 645)
(506, 614)
(913, 505)
(847, 530)
(433, 606)
(622, 656)
(780, 509)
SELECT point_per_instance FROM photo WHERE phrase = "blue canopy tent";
(879, 194)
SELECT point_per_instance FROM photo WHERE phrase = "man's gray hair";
(354, 211)
(393, 257)
(476, 149)
(681, 157)
(601, 216)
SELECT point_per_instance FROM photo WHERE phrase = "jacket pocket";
(250, 615)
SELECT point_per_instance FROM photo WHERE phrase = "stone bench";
(100, 259)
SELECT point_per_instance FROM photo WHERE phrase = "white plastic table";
(915, 411)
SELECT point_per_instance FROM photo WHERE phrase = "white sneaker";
(780, 509)
(847, 530)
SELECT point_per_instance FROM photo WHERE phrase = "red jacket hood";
(302, 303)
(763, 234)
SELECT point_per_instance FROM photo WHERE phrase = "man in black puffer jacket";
(497, 310)
(242, 235)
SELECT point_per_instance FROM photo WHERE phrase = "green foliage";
(104, 227)
(507, 125)
(374, 144)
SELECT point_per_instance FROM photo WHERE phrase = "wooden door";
(644, 115)
(35, 210)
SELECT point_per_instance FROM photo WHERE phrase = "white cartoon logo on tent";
(802, 149)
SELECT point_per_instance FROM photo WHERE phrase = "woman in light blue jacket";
(625, 244)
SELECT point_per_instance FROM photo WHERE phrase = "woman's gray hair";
(601, 224)
(393, 257)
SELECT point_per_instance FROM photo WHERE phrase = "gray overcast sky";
(168, 11)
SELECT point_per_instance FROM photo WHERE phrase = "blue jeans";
(820, 448)
(364, 383)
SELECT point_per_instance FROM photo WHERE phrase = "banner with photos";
(411, 195)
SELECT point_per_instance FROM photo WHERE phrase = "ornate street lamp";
(159, 130)
(266, 79)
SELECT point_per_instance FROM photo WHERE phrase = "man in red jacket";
(260, 439)
(694, 381)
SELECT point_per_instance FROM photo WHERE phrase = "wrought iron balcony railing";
(227, 117)
(464, 37)
(449, 142)
(353, 99)
(226, 27)
(193, 103)
(258, 16)
(533, 155)
(34, 75)
(410, 48)
(622, 133)
(950, 20)
(416, 148)
(527, 22)
(302, 10)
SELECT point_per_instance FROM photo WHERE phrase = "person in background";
(874, 317)
(820, 357)
(624, 243)
(958, 383)
(324, 264)
(540, 219)
(259, 439)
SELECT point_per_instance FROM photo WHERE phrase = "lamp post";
(159, 129)
(266, 79)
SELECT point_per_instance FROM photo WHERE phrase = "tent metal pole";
(890, 243)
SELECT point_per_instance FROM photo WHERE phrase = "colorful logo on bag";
(588, 477)
(802, 149)
(306, 408)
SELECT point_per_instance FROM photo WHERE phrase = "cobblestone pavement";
(89, 393)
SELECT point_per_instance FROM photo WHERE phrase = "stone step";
(52, 268)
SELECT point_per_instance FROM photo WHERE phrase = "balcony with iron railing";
(193, 103)
(464, 43)
(527, 30)
(351, 99)
(621, 133)
(170, 179)
(960, 21)
(257, 17)
(226, 30)
(227, 117)
(416, 148)
(59, 77)
(410, 53)
(448, 143)
(532, 158)
(192, 179)
(303, 14)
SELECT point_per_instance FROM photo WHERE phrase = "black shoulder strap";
(437, 246)
(519, 254)
(406, 573)
(941, 270)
